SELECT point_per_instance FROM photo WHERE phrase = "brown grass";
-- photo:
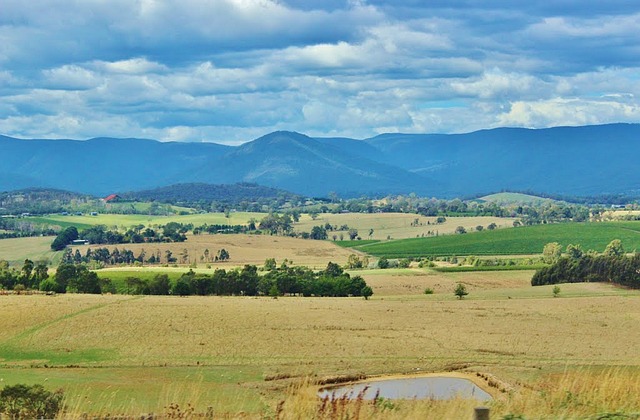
(395, 225)
(528, 342)
(247, 249)
(407, 282)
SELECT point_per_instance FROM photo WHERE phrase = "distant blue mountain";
(575, 161)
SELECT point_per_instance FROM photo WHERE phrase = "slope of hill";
(98, 166)
(576, 161)
(299, 163)
(571, 161)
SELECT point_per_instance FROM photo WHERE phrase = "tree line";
(612, 266)
(103, 256)
(246, 281)
(293, 281)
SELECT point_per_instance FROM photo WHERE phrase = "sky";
(229, 71)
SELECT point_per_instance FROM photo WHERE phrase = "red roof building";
(112, 197)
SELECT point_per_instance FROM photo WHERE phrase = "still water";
(432, 387)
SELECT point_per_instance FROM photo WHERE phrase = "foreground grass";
(523, 240)
(123, 354)
(597, 393)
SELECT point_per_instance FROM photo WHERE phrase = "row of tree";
(103, 256)
(285, 280)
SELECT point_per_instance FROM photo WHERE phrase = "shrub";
(404, 263)
(30, 401)
(428, 291)
(383, 263)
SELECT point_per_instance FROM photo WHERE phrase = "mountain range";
(576, 161)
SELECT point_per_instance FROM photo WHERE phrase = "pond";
(427, 387)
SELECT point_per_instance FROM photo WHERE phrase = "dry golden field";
(246, 249)
(137, 354)
(395, 225)
(411, 282)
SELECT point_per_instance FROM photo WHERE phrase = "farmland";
(139, 354)
(16, 250)
(245, 249)
(396, 225)
(128, 220)
(213, 351)
(524, 240)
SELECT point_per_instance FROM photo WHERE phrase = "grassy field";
(122, 354)
(395, 225)
(128, 220)
(16, 250)
(523, 240)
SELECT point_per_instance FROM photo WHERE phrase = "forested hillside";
(569, 161)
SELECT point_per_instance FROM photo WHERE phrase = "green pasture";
(522, 240)
(118, 277)
(16, 250)
(128, 220)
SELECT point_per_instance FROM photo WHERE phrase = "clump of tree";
(64, 238)
(276, 224)
(29, 276)
(72, 278)
(612, 266)
(318, 233)
(355, 262)
(332, 281)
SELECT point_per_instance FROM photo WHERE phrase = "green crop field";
(522, 240)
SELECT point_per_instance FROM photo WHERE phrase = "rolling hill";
(573, 161)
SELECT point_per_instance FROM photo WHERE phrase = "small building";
(80, 242)
(112, 198)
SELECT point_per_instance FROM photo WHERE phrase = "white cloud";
(131, 66)
(498, 84)
(71, 77)
(560, 111)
